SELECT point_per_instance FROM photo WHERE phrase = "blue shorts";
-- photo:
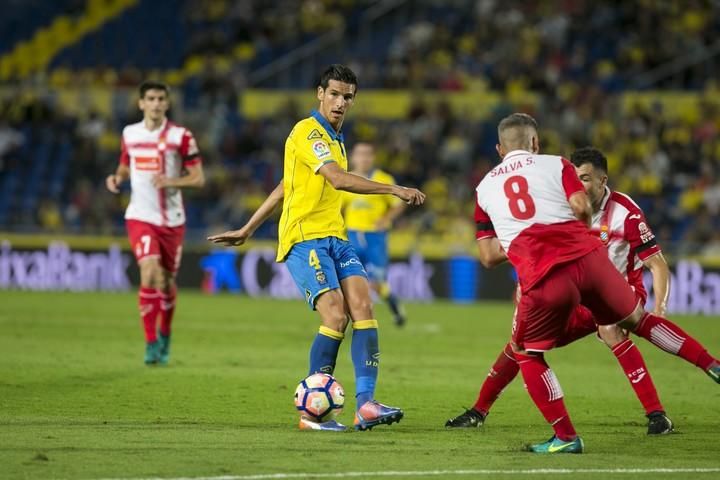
(317, 266)
(371, 247)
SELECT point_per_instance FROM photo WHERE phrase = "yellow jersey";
(362, 212)
(312, 208)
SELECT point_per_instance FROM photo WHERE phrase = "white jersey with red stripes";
(621, 226)
(524, 202)
(166, 150)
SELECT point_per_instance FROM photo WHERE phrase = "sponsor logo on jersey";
(147, 164)
(321, 149)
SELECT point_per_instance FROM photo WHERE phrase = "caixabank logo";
(693, 289)
(58, 267)
(257, 274)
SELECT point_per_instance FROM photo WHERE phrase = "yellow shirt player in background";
(313, 245)
(368, 219)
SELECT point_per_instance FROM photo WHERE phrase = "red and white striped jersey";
(524, 202)
(166, 150)
(621, 226)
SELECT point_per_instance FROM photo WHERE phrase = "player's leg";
(168, 300)
(313, 271)
(171, 256)
(633, 364)
(325, 347)
(145, 246)
(151, 280)
(377, 268)
(612, 301)
(365, 346)
(502, 372)
(542, 317)
(670, 338)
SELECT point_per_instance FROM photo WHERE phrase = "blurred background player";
(621, 226)
(539, 218)
(159, 158)
(313, 244)
(368, 219)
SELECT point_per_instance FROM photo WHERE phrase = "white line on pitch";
(435, 473)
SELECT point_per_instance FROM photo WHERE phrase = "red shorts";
(148, 241)
(543, 313)
(582, 323)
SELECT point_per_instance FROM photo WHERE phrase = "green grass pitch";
(76, 402)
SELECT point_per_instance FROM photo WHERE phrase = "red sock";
(503, 371)
(545, 391)
(667, 336)
(634, 367)
(149, 310)
(167, 310)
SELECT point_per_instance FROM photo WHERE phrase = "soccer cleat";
(400, 320)
(714, 372)
(659, 424)
(329, 426)
(164, 342)
(555, 445)
(152, 353)
(470, 418)
(374, 413)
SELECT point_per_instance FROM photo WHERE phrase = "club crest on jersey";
(320, 277)
(604, 233)
(321, 150)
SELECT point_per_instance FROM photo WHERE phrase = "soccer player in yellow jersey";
(313, 244)
(368, 219)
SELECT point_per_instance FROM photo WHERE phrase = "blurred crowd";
(579, 56)
(541, 45)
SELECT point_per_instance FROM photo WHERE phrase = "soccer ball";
(319, 397)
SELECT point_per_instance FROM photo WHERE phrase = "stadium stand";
(59, 130)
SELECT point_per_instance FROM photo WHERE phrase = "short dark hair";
(517, 120)
(590, 155)
(152, 85)
(338, 72)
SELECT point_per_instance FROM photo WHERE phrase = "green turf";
(76, 401)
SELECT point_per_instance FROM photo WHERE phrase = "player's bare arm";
(491, 252)
(580, 205)
(194, 178)
(342, 180)
(240, 236)
(661, 281)
(114, 180)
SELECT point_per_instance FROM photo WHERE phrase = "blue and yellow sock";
(324, 350)
(366, 358)
(389, 298)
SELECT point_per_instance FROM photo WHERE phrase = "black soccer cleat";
(659, 424)
(469, 419)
